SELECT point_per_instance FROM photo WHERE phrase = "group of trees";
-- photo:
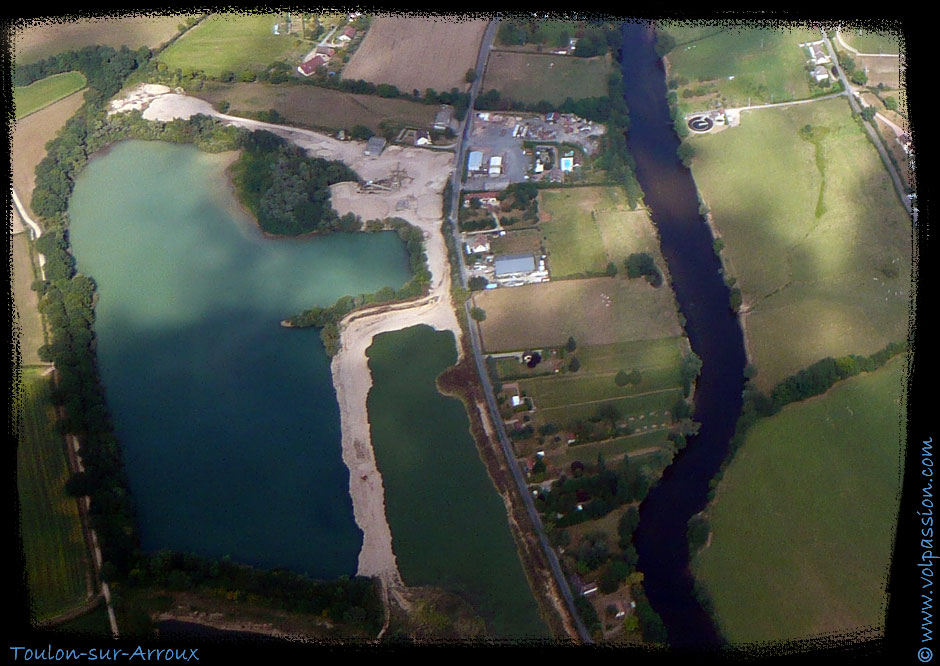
(641, 264)
(594, 39)
(287, 191)
(598, 492)
(354, 602)
(104, 67)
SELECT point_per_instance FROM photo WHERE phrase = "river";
(713, 331)
(228, 422)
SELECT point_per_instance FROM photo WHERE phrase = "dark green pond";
(449, 526)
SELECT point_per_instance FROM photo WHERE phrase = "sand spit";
(415, 195)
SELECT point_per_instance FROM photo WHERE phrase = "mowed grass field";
(587, 227)
(531, 78)
(803, 519)
(233, 42)
(316, 107)
(44, 92)
(832, 285)
(56, 562)
(417, 53)
(747, 63)
(30, 136)
(38, 39)
(546, 314)
(869, 41)
(26, 301)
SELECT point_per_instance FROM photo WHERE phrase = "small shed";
(375, 146)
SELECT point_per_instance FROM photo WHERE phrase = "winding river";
(713, 331)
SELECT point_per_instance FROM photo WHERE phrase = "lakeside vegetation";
(811, 496)
(287, 191)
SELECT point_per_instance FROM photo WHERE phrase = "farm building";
(443, 118)
(375, 146)
(496, 165)
(819, 56)
(475, 161)
(310, 66)
(325, 51)
(348, 34)
(820, 73)
(514, 265)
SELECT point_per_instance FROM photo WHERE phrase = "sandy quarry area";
(417, 197)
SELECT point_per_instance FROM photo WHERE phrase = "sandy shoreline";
(418, 199)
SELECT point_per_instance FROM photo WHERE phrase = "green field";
(320, 108)
(563, 397)
(531, 78)
(867, 41)
(835, 284)
(546, 314)
(233, 42)
(31, 336)
(56, 563)
(44, 92)
(591, 226)
(803, 519)
(747, 64)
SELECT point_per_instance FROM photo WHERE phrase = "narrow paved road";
(875, 139)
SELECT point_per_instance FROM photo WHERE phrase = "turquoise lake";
(228, 422)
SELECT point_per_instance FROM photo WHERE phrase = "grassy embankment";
(42, 93)
(57, 565)
(803, 519)
(838, 279)
(531, 78)
(736, 65)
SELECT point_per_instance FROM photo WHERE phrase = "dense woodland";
(287, 191)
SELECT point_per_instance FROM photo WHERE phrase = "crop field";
(803, 519)
(30, 136)
(747, 63)
(43, 39)
(531, 78)
(587, 227)
(868, 41)
(233, 42)
(417, 53)
(56, 563)
(312, 106)
(881, 70)
(44, 92)
(838, 279)
(553, 311)
(25, 301)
